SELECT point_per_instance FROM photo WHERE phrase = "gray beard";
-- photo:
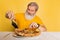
(28, 16)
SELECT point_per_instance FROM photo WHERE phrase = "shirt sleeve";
(39, 21)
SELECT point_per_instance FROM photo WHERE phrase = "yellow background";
(49, 12)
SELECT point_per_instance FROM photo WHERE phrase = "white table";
(43, 36)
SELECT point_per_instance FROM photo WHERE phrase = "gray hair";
(33, 4)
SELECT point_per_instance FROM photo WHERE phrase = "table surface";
(42, 36)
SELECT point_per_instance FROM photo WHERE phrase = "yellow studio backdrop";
(49, 12)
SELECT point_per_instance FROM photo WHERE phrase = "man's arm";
(43, 28)
(39, 26)
(10, 15)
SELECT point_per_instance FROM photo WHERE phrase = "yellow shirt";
(23, 23)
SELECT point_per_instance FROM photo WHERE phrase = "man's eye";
(29, 9)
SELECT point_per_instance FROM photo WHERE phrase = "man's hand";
(42, 28)
(33, 25)
(10, 15)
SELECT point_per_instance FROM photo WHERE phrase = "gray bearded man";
(26, 22)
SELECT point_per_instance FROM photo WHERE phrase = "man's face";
(31, 10)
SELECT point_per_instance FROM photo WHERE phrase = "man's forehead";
(32, 6)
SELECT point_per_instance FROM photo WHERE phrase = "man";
(27, 19)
